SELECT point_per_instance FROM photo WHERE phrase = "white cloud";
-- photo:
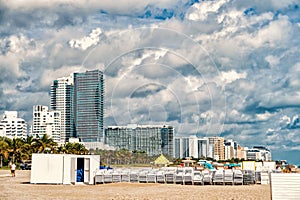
(209, 64)
(276, 33)
(200, 11)
(16, 49)
(231, 76)
(264, 116)
(49, 75)
(86, 42)
(272, 60)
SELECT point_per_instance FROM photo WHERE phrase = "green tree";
(29, 147)
(74, 148)
(15, 149)
(4, 151)
(45, 144)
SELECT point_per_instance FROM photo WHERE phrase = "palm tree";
(29, 147)
(15, 149)
(80, 149)
(68, 148)
(73, 148)
(45, 144)
(4, 153)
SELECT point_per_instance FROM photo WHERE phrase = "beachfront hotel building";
(193, 146)
(258, 153)
(61, 99)
(88, 105)
(152, 139)
(80, 100)
(46, 121)
(181, 147)
(265, 153)
(12, 126)
(230, 149)
(218, 143)
(241, 152)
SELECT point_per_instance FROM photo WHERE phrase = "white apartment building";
(193, 146)
(230, 149)
(11, 126)
(181, 147)
(46, 121)
(61, 99)
(258, 153)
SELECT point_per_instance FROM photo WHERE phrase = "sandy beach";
(19, 187)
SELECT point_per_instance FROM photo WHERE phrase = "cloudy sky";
(226, 68)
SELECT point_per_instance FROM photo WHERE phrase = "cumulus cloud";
(229, 77)
(200, 11)
(86, 42)
(228, 68)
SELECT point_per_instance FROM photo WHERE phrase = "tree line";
(19, 149)
(124, 157)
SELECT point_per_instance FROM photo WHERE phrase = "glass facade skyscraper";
(88, 105)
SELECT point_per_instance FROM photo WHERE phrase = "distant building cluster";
(76, 111)
(217, 148)
(76, 114)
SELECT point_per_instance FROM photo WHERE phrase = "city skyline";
(225, 68)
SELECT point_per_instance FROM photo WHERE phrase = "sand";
(19, 187)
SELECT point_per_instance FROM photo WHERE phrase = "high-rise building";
(204, 150)
(88, 105)
(11, 126)
(230, 149)
(61, 99)
(198, 147)
(218, 143)
(241, 152)
(46, 121)
(80, 100)
(193, 146)
(182, 147)
(153, 139)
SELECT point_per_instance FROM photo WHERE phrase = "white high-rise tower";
(62, 100)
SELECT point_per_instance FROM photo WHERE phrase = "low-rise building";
(46, 121)
(12, 126)
(258, 153)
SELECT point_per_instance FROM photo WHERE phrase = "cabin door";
(87, 170)
(73, 170)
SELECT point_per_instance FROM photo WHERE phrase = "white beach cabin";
(63, 168)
